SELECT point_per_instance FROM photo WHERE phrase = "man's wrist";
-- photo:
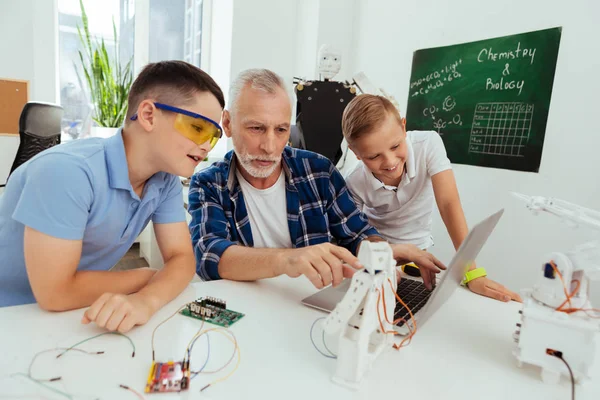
(401, 252)
(281, 260)
(149, 299)
(375, 239)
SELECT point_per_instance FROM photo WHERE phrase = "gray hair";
(261, 79)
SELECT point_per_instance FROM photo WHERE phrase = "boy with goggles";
(69, 214)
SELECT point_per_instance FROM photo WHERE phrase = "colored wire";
(138, 394)
(584, 310)
(233, 339)
(195, 374)
(188, 349)
(55, 349)
(572, 378)
(381, 327)
(568, 298)
(560, 357)
(313, 341)
(40, 382)
(193, 340)
(94, 337)
(396, 321)
(327, 348)
(158, 326)
(571, 310)
(228, 361)
(406, 341)
(236, 365)
(68, 396)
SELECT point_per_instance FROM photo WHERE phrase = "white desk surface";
(457, 354)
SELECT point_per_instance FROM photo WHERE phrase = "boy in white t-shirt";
(399, 176)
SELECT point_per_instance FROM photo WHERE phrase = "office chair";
(39, 129)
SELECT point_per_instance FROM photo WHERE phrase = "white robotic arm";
(557, 319)
(575, 267)
(572, 213)
(356, 319)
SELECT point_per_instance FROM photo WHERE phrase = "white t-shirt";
(267, 210)
(403, 214)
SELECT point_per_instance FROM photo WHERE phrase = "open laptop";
(422, 302)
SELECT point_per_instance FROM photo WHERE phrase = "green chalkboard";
(488, 99)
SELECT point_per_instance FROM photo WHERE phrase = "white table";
(464, 352)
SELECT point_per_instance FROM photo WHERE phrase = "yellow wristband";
(474, 274)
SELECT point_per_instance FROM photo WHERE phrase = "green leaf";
(108, 81)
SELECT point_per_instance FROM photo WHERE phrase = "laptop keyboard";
(414, 294)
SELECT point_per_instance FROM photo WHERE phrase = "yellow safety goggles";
(198, 128)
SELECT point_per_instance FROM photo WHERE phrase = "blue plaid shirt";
(319, 209)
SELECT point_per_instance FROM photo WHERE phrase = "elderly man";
(268, 209)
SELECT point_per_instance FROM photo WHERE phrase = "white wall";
(29, 33)
(264, 37)
(388, 32)
(324, 22)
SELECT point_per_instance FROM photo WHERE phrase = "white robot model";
(329, 61)
(356, 319)
(557, 319)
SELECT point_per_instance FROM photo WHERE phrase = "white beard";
(258, 172)
(246, 159)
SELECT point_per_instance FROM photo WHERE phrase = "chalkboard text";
(488, 54)
(504, 85)
(447, 73)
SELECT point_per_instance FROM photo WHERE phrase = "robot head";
(329, 61)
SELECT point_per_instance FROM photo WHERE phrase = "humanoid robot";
(320, 105)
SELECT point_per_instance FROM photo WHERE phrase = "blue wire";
(327, 348)
(207, 355)
(315, 345)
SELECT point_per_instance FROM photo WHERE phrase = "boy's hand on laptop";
(322, 264)
(428, 264)
(118, 312)
(487, 287)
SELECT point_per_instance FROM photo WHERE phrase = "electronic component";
(213, 311)
(168, 377)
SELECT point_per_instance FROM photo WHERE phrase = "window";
(74, 96)
(176, 30)
(172, 30)
(175, 33)
(193, 32)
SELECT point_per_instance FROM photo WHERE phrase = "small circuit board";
(172, 376)
(212, 310)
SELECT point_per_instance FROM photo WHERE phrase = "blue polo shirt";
(79, 190)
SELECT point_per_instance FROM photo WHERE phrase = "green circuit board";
(213, 311)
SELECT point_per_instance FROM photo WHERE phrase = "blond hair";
(364, 114)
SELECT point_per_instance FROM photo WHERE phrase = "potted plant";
(108, 80)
